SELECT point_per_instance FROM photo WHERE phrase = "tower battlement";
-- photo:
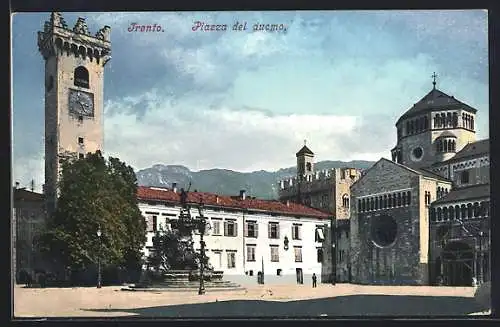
(58, 38)
(319, 178)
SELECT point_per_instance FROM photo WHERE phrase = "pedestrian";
(314, 278)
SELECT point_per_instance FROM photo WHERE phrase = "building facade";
(74, 92)
(325, 190)
(29, 219)
(399, 233)
(247, 235)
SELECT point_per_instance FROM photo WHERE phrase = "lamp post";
(480, 281)
(333, 238)
(202, 227)
(99, 233)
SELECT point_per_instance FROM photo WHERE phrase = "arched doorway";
(458, 258)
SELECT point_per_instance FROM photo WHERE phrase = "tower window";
(81, 77)
(308, 166)
(80, 140)
(81, 155)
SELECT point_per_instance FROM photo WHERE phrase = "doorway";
(458, 264)
(300, 276)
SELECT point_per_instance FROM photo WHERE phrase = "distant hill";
(261, 184)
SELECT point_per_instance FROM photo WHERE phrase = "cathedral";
(423, 217)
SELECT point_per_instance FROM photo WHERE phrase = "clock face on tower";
(81, 103)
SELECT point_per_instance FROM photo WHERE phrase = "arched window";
(380, 202)
(376, 203)
(475, 209)
(463, 212)
(455, 119)
(448, 119)
(445, 146)
(433, 214)
(372, 204)
(439, 214)
(308, 166)
(385, 201)
(426, 123)
(363, 206)
(453, 146)
(403, 198)
(389, 200)
(457, 212)
(469, 210)
(436, 121)
(399, 199)
(451, 213)
(408, 198)
(359, 205)
(345, 201)
(81, 77)
(445, 213)
(443, 120)
(471, 122)
(412, 127)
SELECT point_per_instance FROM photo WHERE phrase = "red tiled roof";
(223, 201)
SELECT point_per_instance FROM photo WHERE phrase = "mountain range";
(261, 184)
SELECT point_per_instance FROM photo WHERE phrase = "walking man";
(314, 280)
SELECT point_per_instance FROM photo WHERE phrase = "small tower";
(74, 80)
(305, 163)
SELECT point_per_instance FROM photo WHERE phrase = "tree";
(95, 193)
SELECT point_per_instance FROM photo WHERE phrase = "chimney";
(216, 199)
(243, 194)
(174, 187)
(287, 203)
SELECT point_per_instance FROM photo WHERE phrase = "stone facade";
(30, 217)
(397, 192)
(327, 190)
(74, 60)
(442, 234)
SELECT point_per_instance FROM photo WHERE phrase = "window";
(151, 222)
(298, 253)
(275, 255)
(230, 228)
(81, 156)
(319, 234)
(408, 198)
(345, 201)
(231, 259)
(81, 77)
(251, 229)
(80, 140)
(296, 232)
(250, 252)
(80, 119)
(464, 177)
(319, 254)
(216, 227)
(274, 231)
(278, 272)
(308, 166)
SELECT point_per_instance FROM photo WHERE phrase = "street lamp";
(99, 233)
(202, 227)
(333, 240)
(481, 259)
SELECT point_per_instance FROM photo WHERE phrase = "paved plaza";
(259, 300)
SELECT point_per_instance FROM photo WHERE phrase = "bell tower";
(305, 163)
(74, 89)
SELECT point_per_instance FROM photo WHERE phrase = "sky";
(247, 100)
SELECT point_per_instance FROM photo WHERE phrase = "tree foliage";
(95, 193)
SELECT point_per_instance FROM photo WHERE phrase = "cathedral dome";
(433, 101)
